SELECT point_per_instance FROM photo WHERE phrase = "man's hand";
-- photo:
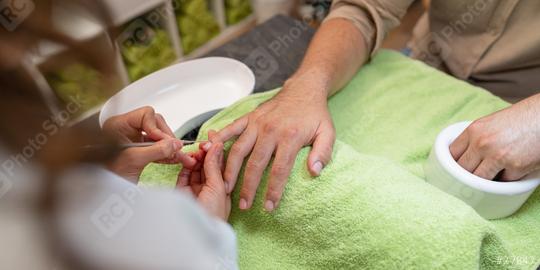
(143, 125)
(204, 180)
(507, 141)
(297, 116)
(279, 127)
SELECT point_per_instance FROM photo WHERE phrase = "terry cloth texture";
(371, 207)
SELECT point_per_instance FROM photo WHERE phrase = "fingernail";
(207, 146)
(243, 204)
(269, 205)
(317, 167)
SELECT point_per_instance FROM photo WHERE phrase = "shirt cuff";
(361, 19)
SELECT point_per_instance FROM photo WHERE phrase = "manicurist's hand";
(279, 128)
(144, 125)
(507, 141)
(204, 180)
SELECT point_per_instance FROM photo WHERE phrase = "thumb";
(164, 149)
(321, 153)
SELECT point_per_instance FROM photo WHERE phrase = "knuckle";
(279, 171)
(254, 164)
(333, 135)
(237, 121)
(500, 155)
(327, 151)
(485, 142)
(229, 175)
(274, 193)
(291, 132)
(165, 150)
(148, 109)
(269, 127)
(252, 117)
(476, 127)
(237, 150)
(516, 165)
(248, 189)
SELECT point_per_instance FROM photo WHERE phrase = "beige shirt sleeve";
(373, 18)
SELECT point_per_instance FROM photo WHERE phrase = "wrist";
(307, 85)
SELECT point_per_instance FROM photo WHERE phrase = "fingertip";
(206, 146)
(243, 204)
(212, 135)
(269, 206)
(186, 160)
(316, 168)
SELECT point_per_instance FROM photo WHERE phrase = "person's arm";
(298, 116)
(336, 52)
(505, 143)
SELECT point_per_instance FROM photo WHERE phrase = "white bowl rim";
(170, 69)
(442, 151)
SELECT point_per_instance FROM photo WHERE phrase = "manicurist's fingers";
(162, 125)
(460, 144)
(182, 158)
(321, 153)
(470, 159)
(145, 119)
(162, 150)
(255, 166)
(239, 151)
(279, 174)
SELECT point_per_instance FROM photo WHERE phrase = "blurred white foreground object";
(490, 199)
(186, 94)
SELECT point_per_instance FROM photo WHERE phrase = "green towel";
(371, 207)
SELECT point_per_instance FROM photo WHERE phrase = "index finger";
(459, 145)
(232, 130)
(145, 119)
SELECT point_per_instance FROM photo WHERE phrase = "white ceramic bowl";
(490, 199)
(186, 94)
